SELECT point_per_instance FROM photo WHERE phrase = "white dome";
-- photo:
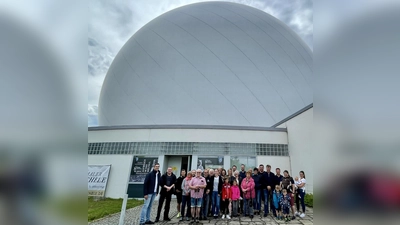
(211, 63)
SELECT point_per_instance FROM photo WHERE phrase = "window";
(249, 162)
(188, 148)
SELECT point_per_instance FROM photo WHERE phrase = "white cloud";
(92, 115)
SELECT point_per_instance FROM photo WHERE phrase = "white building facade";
(287, 146)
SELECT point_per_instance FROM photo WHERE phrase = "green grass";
(103, 207)
(309, 200)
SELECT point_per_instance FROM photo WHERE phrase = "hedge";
(309, 200)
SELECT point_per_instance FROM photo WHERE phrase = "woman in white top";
(301, 190)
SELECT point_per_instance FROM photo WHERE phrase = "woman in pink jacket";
(249, 194)
(235, 198)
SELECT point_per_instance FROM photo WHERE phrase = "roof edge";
(293, 115)
(184, 126)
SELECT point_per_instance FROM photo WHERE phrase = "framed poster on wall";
(141, 166)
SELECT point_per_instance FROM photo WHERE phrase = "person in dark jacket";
(207, 194)
(150, 191)
(216, 184)
(278, 176)
(268, 179)
(257, 202)
(210, 175)
(178, 191)
(260, 174)
(167, 184)
(242, 172)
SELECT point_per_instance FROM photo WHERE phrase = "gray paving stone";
(132, 217)
(306, 222)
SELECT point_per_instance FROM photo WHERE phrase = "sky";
(112, 23)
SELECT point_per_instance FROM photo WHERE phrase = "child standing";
(285, 205)
(235, 198)
(276, 197)
(226, 198)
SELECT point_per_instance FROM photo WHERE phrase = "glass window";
(212, 162)
(249, 162)
(189, 148)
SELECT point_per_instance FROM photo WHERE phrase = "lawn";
(108, 206)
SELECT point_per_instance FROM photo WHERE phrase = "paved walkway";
(132, 218)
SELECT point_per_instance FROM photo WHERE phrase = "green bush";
(309, 200)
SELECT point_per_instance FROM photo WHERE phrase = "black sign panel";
(141, 166)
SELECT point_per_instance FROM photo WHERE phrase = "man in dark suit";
(268, 179)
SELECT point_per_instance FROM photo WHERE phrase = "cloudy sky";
(112, 23)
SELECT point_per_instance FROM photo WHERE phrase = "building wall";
(187, 135)
(281, 162)
(121, 164)
(300, 146)
(119, 174)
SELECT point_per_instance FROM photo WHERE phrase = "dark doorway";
(184, 163)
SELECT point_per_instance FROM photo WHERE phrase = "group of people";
(216, 192)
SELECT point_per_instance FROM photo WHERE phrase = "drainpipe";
(290, 158)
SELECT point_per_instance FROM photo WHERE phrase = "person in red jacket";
(248, 188)
(235, 198)
(226, 198)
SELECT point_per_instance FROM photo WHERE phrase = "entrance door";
(185, 163)
(177, 163)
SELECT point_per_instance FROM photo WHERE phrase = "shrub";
(309, 200)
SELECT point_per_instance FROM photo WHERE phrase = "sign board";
(141, 166)
(97, 179)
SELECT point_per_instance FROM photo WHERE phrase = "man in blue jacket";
(268, 179)
(242, 172)
(150, 191)
(257, 183)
